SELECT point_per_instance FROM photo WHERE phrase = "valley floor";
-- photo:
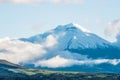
(34, 74)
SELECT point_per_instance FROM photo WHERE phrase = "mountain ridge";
(74, 31)
(66, 46)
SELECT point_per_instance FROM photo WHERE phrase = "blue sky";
(24, 19)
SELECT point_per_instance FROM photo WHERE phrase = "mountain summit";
(70, 36)
(74, 25)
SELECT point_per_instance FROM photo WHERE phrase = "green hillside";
(9, 71)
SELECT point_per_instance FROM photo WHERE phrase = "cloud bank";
(59, 61)
(51, 41)
(19, 52)
(113, 29)
(44, 55)
(42, 1)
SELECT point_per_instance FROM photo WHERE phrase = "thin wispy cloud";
(42, 1)
(113, 29)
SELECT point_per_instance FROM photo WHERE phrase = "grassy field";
(9, 71)
(37, 74)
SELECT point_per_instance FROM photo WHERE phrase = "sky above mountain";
(23, 18)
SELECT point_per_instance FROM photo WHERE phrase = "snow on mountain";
(71, 36)
(77, 26)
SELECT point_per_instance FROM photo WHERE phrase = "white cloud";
(18, 52)
(54, 62)
(62, 59)
(50, 41)
(42, 1)
(59, 61)
(113, 29)
(110, 61)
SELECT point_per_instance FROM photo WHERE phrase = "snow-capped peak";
(70, 36)
(80, 27)
(71, 26)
